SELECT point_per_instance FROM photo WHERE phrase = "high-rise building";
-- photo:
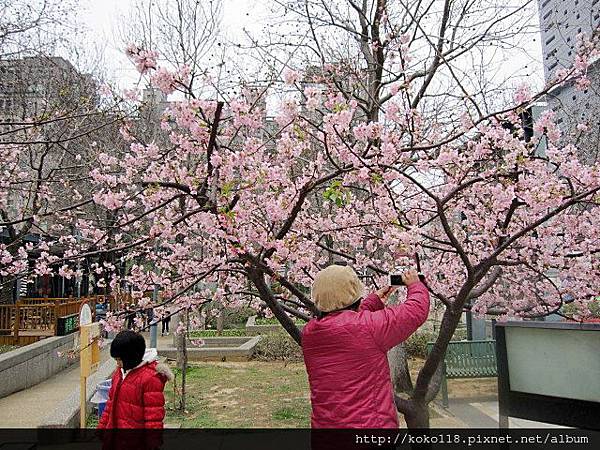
(31, 87)
(561, 22)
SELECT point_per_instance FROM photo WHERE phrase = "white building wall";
(561, 21)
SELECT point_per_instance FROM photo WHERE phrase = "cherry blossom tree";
(238, 204)
(490, 214)
(52, 121)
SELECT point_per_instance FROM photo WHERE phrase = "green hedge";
(274, 321)
(416, 345)
(231, 332)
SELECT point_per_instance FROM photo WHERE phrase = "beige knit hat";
(336, 287)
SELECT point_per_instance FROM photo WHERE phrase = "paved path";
(161, 341)
(28, 408)
(483, 413)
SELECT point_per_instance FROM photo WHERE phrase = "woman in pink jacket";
(345, 350)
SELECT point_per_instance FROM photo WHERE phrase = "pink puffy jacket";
(346, 359)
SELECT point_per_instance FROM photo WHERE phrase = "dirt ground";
(462, 388)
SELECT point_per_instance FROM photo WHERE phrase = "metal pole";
(469, 326)
(154, 326)
(78, 277)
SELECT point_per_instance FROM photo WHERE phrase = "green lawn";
(254, 394)
(243, 395)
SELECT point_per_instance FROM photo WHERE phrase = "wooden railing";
(31, 317)
(6, 319)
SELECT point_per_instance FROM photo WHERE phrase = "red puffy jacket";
(137, 401)
(346, 360)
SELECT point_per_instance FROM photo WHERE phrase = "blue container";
(101, 407)
(101, 396)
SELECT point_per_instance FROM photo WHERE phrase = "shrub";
(416, 345)
(236, 318)
(233, 318)
(459, 335)
(278, 346)
(573, 309)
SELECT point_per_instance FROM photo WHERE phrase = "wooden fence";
(32, 319)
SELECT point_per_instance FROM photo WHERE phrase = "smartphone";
(396, 279)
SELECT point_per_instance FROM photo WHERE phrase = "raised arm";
(393, 325)
(371, 302)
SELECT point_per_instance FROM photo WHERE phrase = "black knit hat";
(130, 347)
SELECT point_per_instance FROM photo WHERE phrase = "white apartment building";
(561, 22)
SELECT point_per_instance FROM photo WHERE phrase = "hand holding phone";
(407, 278)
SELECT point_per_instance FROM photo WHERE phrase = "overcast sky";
(102, 17)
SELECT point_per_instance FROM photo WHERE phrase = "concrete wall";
(66, 413)
(34, 363)
(252, 328)
(212, 351)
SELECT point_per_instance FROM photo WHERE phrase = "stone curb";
(66, 413)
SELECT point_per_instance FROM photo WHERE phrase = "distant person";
(345, 349)
(136, 398)
(165, 325)
(130, 314)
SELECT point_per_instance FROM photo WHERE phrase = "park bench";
(467, 359)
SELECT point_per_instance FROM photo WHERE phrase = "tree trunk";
(220, 320)
(415, 413)
(182, 359)
(202, 319)
(401, 380)
(258, 279)
(417, 416)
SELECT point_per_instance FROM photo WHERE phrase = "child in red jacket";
(136, 398)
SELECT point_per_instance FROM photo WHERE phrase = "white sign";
(85, 315)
